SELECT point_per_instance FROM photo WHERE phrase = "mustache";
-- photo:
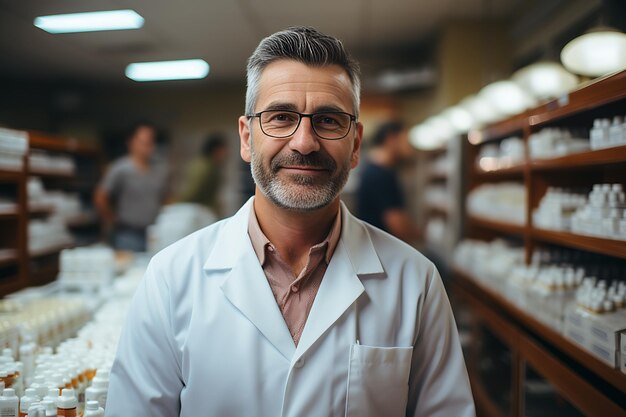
(316, 160)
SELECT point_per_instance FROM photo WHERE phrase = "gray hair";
(306, 45)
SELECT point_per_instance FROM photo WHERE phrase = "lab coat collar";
(234, 236)
(244, 287)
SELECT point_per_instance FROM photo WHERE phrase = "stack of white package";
(556, 209)
(605, 213)
(87, 267)
(13, 147)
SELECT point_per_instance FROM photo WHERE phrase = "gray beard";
(301, 192)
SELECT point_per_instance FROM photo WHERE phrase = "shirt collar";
(260, 242)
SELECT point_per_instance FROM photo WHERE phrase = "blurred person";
(132, 191)
(380, 199)
(292, 307)
(205, 177)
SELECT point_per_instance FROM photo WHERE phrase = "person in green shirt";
(205, 174)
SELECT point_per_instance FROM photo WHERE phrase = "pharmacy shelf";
(50, 174)
(8, 257)
(608, 156)
(586, 361)
(9, 176)
(496, 225)
(610, 247)
(500, 130)
(9, 214)
(515, 171)
(589, 96)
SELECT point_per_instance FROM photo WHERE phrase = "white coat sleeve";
(438, 383)
(146, 374)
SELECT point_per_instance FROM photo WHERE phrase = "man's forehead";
(287, 77)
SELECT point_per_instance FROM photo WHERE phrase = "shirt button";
(294, 289)
(299, 363)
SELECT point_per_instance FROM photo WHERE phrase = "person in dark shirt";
(380, 199)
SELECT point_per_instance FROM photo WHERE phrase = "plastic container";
(30, 397)
(93, 409)
(67, 404)
(9, 403)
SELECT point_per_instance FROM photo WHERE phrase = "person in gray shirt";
(132, 191)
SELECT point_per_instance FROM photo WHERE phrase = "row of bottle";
(606, 133)
(45, 322)
(52, 405)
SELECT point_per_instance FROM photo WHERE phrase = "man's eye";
(282, 117)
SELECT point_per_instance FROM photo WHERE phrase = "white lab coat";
(205, 337)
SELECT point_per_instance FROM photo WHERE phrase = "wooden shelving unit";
(24, 268)
(584, 381)
(496, 225)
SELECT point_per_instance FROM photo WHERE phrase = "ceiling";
(222, 32)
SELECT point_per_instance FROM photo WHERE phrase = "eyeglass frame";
(300, 116)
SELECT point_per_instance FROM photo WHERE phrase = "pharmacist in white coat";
(362, 326)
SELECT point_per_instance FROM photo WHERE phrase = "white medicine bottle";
(93, 409)
(30, 397)
(9, 403)
(67, 403)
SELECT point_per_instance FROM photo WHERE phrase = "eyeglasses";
(332, 125)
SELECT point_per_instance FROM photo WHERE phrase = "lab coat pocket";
(378, 381)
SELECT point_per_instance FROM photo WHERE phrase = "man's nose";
(304, 140)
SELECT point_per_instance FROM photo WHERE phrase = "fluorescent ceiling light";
(596, 53)
(545, 79)
(188, 69)
(90, 22)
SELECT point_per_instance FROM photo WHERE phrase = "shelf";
(50, 174)
(498, 226)
(45, 141)
(586, 360)
(9, 214)
(8, 257)
(615, 155)
(513, 171)
(10, 176)
(588, 97)
(499, 130)
(40, 210)
(610, 247)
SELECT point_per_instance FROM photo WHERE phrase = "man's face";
(301, 172)
(141, 144)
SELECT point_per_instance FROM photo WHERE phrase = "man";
(292, 307)
(380, 200)
(132, 191)
(205, 174)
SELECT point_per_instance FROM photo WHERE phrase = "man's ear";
(356, 148)
(244, 138)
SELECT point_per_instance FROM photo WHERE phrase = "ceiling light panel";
(188, 69)
(90, 22)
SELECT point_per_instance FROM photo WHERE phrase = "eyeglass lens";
(282, 124)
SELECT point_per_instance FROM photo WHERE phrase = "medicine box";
(598, 333)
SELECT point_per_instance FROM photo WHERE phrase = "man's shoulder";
(122, 164)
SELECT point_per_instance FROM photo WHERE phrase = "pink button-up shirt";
(294, 294)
